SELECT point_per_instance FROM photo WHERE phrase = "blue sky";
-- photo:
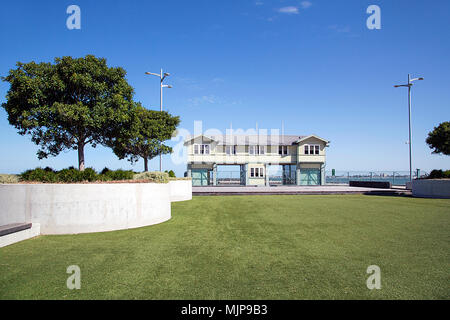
(313, 65)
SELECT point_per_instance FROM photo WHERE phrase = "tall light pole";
(161, 76)
(409, 85)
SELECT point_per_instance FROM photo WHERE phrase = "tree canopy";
(439, 138)
(143, 136)
(69, 104)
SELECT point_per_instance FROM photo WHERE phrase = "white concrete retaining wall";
(83, 208)
(431, 188)
(11, 238)
(180, 190)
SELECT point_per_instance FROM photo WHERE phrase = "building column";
(297, 175)
(322, 174)
(266, 176)
(246, 173)
(189, 171)
(214, 174)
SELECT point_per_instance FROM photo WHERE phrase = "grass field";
(249, 247)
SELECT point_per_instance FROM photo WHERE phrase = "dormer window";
(201, 148)
(312, 149)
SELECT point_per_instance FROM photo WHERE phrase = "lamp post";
(161, 76)
(409, 85)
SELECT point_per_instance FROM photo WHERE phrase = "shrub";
(170, 173)
(118, 175)
(69, 175)
(39, 175)
(105, 170)
(88, 174)
(158, 177)
(439, 174)
(9, 178)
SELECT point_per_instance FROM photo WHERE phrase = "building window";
(230, 150)
(312, 149)
(256, 150)
(283, 150)
(201, 149)
(257, 172)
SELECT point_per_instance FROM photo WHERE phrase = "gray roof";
(272, 140)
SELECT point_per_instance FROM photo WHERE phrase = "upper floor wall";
(311, 149)
(204, 149)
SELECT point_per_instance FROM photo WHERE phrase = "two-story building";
(302, 158)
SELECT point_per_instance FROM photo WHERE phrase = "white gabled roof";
(312, 136)
(269, 140)
(190, 138)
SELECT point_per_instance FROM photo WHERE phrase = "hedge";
(9, 178)
(158, 177)
(71, 175)
(439, 174)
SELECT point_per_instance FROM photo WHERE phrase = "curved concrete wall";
(180, 190)
(432, 188)
(83, 208)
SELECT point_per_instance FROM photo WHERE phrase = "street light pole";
(161, 87)
(410, 129)
(161, 76)
(409, 85)
(160, 109)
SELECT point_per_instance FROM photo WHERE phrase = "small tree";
(143, 136)
(69, 104)
(439, 138)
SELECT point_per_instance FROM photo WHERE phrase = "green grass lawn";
(249, 247)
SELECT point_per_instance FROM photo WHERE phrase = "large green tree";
(144, 135)
(439, 138)
(68, 104)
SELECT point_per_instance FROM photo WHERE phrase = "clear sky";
(313, 65)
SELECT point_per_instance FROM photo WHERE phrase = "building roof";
(270, 140)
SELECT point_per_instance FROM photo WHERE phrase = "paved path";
(329, 189)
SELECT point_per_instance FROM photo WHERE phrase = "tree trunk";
(81, 156)
(145, 164)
